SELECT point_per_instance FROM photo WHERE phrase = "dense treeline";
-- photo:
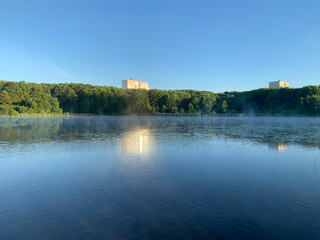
(31, 98)
(21, 98)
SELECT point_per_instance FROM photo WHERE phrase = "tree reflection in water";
(137, 133)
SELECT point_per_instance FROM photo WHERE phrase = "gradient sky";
(227, 45)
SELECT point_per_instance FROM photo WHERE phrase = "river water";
(159, 178)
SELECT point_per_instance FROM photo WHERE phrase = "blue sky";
(227, 45)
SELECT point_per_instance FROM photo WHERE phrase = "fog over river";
(157, 177)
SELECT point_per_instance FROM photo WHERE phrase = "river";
(159, 178)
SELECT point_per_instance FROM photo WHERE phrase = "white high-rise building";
(278, 84)
(134, 84)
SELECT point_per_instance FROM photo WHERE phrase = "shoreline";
(160, 115)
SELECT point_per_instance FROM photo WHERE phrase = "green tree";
(5, 97)
(223, 107)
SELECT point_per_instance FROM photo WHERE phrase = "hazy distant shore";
(157, 114)
(32, 99)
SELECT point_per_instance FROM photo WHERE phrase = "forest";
(24, 99)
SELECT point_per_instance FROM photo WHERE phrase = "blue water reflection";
(159, 178)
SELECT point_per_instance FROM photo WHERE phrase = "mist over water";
(159, 178)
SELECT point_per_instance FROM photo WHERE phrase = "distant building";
(134, 84)
(278, 84)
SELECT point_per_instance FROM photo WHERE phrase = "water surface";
(159, 178)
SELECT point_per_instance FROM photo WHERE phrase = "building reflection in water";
(137, 142)
(280, 147)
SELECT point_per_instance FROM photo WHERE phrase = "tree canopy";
(22, 98)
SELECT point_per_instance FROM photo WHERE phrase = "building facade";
(278, 84)
(134, 84)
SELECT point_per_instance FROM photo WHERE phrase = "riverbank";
(20, 98)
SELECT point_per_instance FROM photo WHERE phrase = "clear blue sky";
(174, 44)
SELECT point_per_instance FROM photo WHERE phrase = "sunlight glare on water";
(159, 178)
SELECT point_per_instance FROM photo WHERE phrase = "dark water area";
(159, 178)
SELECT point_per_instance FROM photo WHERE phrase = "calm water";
(159, 178)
